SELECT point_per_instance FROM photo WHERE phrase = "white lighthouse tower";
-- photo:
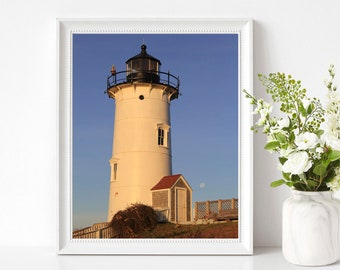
(141, 153)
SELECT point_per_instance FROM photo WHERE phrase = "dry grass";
(140, 221)
(133, 220)
(214, 230)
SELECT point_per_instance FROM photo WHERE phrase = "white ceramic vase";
(311, 228)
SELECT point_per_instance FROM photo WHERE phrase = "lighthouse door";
(180, 205)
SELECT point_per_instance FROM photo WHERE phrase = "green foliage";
(307, 162)
(277, 183)
(289, 93)
(334, 155)
(272, 145)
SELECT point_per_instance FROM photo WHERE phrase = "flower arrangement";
(306, 137)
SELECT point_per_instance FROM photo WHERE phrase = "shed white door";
(180, 205)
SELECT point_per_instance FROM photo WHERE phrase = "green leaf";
(299, 186)
(289, 184)
(311, 184)
(281, 138)
(329, 177)
(277, 183)
(302, 110)
(282, 160)
(319, 132)
(295, 178)
(286, 176)
(334, 155)
(272, 145)
(291, 137)
(320, 169)
(310, 108)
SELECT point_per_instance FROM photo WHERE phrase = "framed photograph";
(155, 149)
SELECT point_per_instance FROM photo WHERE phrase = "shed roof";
(167, 182)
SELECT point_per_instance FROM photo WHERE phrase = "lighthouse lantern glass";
(142, 64)
(143, 69)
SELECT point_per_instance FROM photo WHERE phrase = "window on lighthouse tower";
(163, 131)
(115, 166)
(161, 136)
(114, 169)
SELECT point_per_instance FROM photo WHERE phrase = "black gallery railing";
(146, 76)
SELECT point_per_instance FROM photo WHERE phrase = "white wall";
(301, 37)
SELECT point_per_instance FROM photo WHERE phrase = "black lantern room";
(143, 67)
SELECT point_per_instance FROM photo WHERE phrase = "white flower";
(333, 100)
(318, 152)
(306, 141)
(286, 152)
(335, 183)
(332, 123)
(264, 110)
(267, 130)
(283, 122)
(306, 102)
(331, 135)
(331, 126)
(267, 109)
(331, 140)
(297, 163)
(259, 105)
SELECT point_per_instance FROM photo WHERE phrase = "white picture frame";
(243, 245)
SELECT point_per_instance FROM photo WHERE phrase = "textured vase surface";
(311, 228)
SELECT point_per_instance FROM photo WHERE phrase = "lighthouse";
(141, 153)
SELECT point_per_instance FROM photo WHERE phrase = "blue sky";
(204, 119)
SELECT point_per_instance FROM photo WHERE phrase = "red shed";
(171, 199)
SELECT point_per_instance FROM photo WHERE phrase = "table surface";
(45, 258)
